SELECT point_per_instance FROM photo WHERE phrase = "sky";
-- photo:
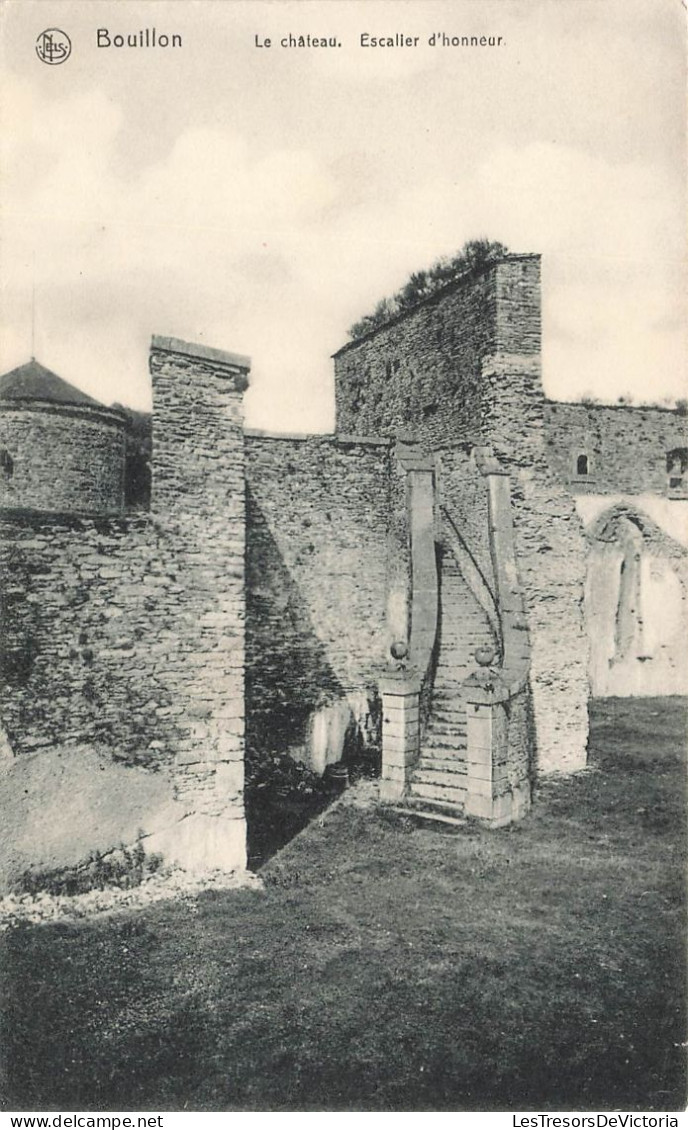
(261, 199)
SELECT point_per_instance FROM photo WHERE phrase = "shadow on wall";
(288, 676)
(138, 459)
(299, 717)
(295, 703)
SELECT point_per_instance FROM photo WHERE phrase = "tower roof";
(33, 381)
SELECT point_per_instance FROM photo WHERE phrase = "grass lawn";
(388, 967)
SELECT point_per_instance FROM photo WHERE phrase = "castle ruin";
(450, 575)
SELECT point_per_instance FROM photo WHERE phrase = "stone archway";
(636, 607)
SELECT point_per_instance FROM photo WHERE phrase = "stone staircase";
(438, 783)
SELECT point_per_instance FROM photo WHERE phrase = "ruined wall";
(636, 606)
(630, 485)
(317, 565)
(464, 367)
(128, 635)
(61, 458)
(199, 496)
(85, 647)
(551, 558)
(625, 447)
(423, 371)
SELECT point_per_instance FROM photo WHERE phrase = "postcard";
(343, 559)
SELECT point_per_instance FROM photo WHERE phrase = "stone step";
(430, 816)
(454, 723)
(465, 643)
(445, 739)
(447, 694)
(448, 723)
(423, 775)
(449, 703)
(461, 653)
(433, 759)
(451, 794)
(449, 808)
(450, 742)
(461, 634)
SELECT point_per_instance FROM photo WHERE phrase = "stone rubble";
(173, 883)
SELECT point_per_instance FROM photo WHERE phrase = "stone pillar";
(425, 599)
(400, 692)
(198, 507)
(420, 503)
(497, 791)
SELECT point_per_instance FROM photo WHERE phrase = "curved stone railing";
(404, 688)
(471, 573)
(499, 727)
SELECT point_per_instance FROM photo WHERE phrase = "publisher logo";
(53, 46)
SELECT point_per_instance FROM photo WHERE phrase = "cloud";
(613, 257)
(196, 244)
(274, 249)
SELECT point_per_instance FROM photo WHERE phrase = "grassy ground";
(393, 968)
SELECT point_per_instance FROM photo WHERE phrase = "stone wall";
(61, 458)
(625, 447)
(634, 491)
(127, 635)
(423, 371)
(199, 497)
(319, 557)
(636, 605)
(136, 647)
(463, 368)
(463, 500)
(85, 648)
(551, 554)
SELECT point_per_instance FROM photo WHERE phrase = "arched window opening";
(582, 465)
(676, 466)
(6, 464)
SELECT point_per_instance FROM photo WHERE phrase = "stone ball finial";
(485, 655)
(399, 650)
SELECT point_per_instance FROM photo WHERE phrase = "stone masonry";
(448, 576)
(464, 367)
(128, 634)
(59, 450)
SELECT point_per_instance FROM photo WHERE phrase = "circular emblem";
(53, 46)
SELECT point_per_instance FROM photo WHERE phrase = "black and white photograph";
(343, 561)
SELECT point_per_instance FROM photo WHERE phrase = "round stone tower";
(60, 450)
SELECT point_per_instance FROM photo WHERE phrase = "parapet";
(233, 364)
